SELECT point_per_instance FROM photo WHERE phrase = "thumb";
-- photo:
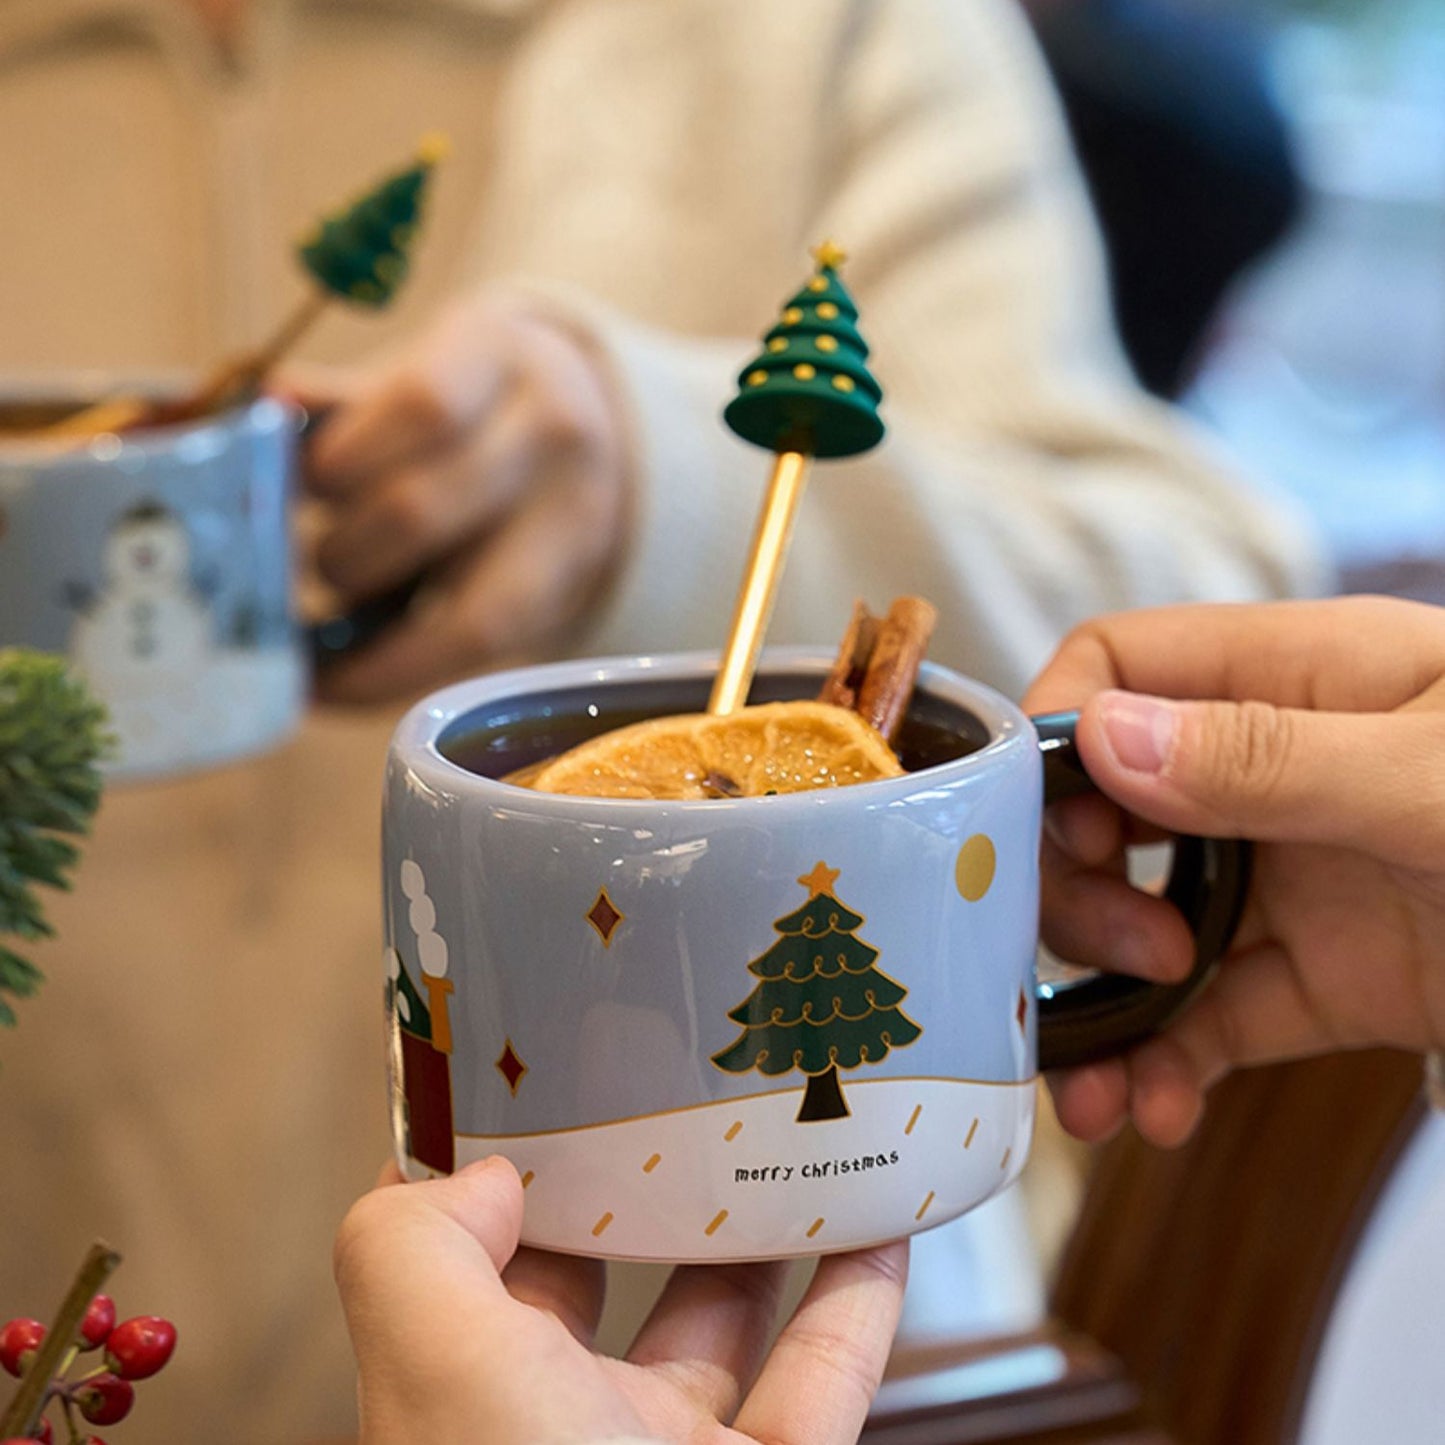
(1249, 769)
(404, 1248)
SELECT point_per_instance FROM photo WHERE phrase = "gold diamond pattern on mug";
(606, 917)
(510, 1066)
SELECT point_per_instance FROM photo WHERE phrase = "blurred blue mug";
(159, 563)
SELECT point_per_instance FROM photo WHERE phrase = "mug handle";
(1109, 1013)
(334, 637)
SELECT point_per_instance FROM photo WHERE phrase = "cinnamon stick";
(841, 685)
(893, 664)
(878, 661)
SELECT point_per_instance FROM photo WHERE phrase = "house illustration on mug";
(424, 1029)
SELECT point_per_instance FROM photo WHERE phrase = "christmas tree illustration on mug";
(820, 1004)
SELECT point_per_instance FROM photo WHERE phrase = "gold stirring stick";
(760, 583)
(808, 394)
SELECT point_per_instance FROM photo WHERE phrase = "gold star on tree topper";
(820, 880)
(829, 255)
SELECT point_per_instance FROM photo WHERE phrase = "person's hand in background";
(1320, 734)
(461, 1336)
(487, 460)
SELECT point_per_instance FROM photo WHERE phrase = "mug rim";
(28, 450)
(416, 739)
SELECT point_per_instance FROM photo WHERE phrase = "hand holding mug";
(487, 460)
(1321, 736)
(461, 1336)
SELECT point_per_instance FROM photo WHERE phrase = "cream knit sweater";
(676, 159)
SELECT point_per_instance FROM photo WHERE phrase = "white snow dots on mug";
(431, 947)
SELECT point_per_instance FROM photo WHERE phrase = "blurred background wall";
(1270, 175)
(1326, 369)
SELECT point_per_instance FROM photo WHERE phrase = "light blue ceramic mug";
(738, 1028)
(160, 564)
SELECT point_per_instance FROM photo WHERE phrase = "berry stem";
(63, 1368)
(70, 1424)
(22, 1415)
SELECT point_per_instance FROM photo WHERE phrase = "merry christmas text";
(814, 1169)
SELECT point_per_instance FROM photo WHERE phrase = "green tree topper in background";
(820, 1005)
(52, 735)
(361, 252)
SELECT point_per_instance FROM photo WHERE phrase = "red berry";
(99, 1321)
(45, 1437)
(19, 1339)
(104, 1399)
(138, 1348)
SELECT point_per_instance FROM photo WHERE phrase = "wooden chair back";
(1210, 1272)
(1194, 1291)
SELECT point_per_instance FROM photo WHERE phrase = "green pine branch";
(53, 735)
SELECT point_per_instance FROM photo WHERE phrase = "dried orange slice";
(778, 747)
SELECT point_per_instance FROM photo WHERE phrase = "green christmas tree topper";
(820, 1004)
(810, 390)
(361, 253)
(808, 395)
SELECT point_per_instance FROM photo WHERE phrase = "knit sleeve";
(1026, 483)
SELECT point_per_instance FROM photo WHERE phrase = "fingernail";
(1058, 831)
(478, 1167)
(1140, 730)
(1133, 955)
(1060, 826)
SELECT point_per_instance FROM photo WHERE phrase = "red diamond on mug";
(510, 1066)
(1021, 1013)
(605, 916)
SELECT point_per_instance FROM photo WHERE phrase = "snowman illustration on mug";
(149, 621)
